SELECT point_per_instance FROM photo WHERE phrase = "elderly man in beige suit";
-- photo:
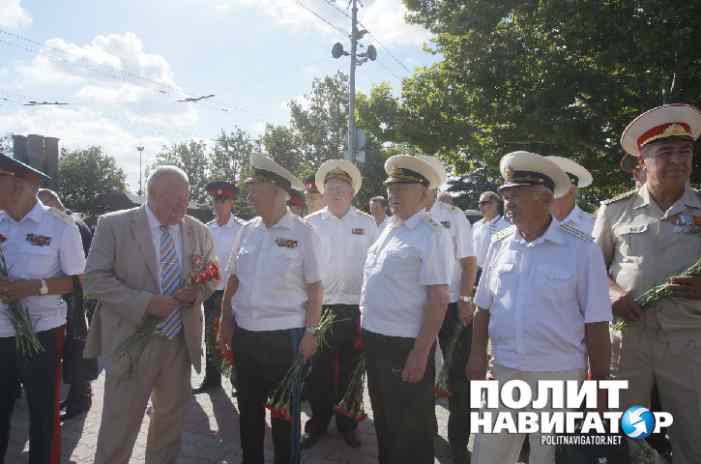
(136, 268)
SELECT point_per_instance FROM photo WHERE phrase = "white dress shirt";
(345, 242)
(62, 256)
(540, 295)
(273, 266)
(460, 231)
(580, 219)
(223, 237)
(482, 232)
(407, 257)
(384, 224)
(176, 234)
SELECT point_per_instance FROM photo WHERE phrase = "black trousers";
(212, 308)
(459, 414)
(332, 368)
(262, 360)
(41, 377)
(403, 412)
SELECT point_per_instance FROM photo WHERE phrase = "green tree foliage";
(320, 120)
(555, 77)
(194, 158)
(85, 174)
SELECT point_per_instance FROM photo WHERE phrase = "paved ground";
(211, 435)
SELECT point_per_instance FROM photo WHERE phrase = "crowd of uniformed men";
(541, 283)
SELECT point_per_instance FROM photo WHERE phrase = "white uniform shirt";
(345, 244)
(460, 231)
(580, 219)
(539, 296)
(273, 267)
(62, 256)
(176, 234)
(384, 224)
(223, 237)
(407, 257)
(482, 232)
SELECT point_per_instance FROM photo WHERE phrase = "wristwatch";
(467, 299)
(44, 289)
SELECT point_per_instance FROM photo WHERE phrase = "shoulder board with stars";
(363, 213)
(620, 197)
(572, 230)
(61, 215)
(503, 233)
(430, 220)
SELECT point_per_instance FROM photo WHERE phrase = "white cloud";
(386, 20)
(289, 12)
(12, 15)
(112, 87)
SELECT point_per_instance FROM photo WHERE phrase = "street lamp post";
(140, 150)
(356, 59)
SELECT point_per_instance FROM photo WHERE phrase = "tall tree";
(230, 156)
(229, 162)
(284, 146)
(193, 157)
(85, 174)
(550, 76)
(320, 120)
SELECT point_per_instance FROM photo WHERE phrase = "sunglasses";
(486, 202)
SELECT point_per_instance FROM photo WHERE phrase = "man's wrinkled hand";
(225, 336)
(625, 307)
(476, 368)
(414, 367)
(686, 287)
(15, 290)
(187, 295)
(161, 306)
(307, 347)
(466, 312)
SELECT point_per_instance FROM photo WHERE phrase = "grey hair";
(489, 195)
(52, 194)
(162, 171)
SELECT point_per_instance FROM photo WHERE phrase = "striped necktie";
(170, 282)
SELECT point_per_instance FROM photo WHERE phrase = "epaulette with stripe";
(430, 220)
(61, 215)
(363, 213)
(620, 197)
(503, 233)
(572, 230)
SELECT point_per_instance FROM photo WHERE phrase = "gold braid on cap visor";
(405, 176)
(338, 174)
(260, 175)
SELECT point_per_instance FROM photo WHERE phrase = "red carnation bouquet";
(351, 405)
(128, 353)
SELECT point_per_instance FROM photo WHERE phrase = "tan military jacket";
(644, 245)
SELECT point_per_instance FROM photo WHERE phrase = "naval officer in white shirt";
(403, 302)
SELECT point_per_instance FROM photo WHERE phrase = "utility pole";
(140, 150)
(350, 154)
(356, 59)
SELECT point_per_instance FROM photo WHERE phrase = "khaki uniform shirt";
(644, 246)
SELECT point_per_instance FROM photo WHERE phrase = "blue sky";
(121, 66)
